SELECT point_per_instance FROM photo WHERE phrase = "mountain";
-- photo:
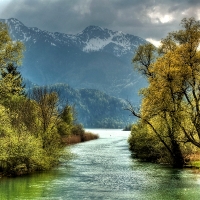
(94, 108)
(96, 58)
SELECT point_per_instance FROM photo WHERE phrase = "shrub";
(90, 136)
(145, 145)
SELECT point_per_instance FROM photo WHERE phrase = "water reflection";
(162, 182)
(29, 187)
(104, 169)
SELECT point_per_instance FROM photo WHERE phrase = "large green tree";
(170, 105)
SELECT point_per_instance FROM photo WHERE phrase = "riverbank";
(78, 138)
(103, 169)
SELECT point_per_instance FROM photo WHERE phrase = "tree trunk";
(177, 157)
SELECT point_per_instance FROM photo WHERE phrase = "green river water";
(104, 169)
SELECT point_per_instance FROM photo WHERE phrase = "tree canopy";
(10, 51)
(30, 128)
(171, 102)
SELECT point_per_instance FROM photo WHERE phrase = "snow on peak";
(118, 39)
(96, 44)
(92, 38)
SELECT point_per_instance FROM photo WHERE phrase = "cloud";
(156, 43)
(83, 7)
(145, 18)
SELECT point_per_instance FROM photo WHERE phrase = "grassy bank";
(77, 138)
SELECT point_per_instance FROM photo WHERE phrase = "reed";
(90, 136)
(74, 139)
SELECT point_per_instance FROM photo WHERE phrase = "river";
(104, 169)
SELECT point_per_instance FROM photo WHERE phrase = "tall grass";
(90, 136)
(74, 139)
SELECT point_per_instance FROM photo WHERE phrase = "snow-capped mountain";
(95, 38)
(94, 58)
(91, 39)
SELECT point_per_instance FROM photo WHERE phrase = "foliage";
(12, 79)
(10, 55)
(145, 145)
(78, 130)
(170, 105)
(46, 107)
(30, 137)
(21, 153)
(10, 51)
(25, 145)
(65, 126)
(31, 131)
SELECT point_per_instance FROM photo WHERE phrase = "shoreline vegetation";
(151, 151)
(33, 123)
(168, 126)
(75, 139)
(78, 135)
(85, 136)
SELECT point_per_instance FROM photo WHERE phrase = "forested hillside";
(94, 109)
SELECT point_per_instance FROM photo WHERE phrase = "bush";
(25, 146)
(90, 136)
(77, 135)
(21, 154)
(145, 145)
(72, 139)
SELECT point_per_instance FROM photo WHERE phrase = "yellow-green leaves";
(30, 129)
(171, 102)
(143, 58)
(10, 51)
(174, 76)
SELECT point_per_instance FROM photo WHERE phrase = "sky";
(149, 19)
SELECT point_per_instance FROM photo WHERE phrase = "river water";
(104, 169)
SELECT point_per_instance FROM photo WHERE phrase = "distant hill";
(94, 109)
(96, 58)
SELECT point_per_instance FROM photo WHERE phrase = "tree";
(47, 106)
(12, 79)
(170, 105)
(29, 137)
(189, 58)
(10, 51)
(10, 56)
(66, 121)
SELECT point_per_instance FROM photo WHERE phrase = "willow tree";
(170, 105)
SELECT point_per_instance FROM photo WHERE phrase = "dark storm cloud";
(145, 18)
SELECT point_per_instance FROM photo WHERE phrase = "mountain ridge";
(96, 58)
(92, 38)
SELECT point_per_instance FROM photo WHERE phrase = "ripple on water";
(104, 169)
